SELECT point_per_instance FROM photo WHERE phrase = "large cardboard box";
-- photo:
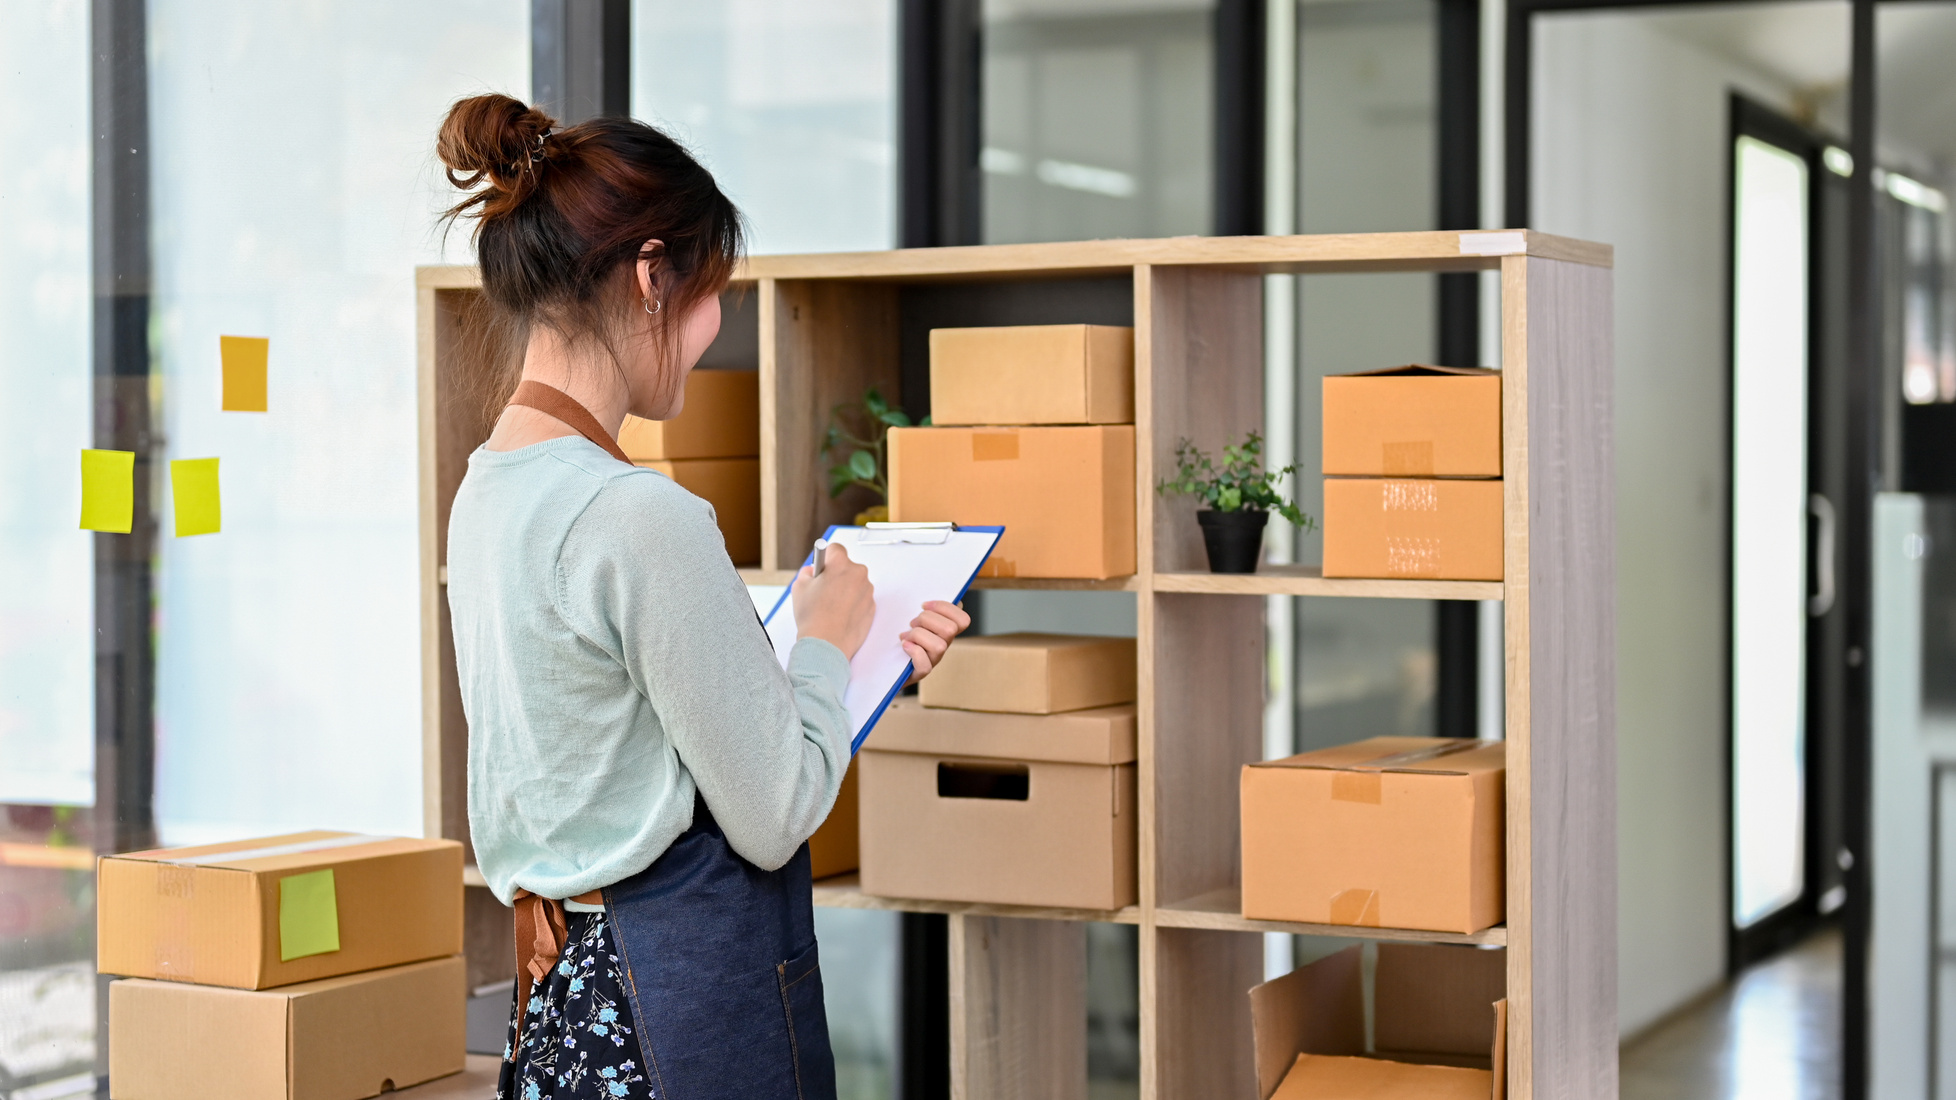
(834, 850)
(721, 418)
(1394, 832)
(1004, 808)
(253, 914)
(733, 487)
(1064, 495)
(1429, 530)
(341, 1038)
(1032, 374)
(1439, 1021)
(1413, 421)
(1032, 673)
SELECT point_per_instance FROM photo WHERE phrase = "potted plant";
(1238, 500)
(854, 445)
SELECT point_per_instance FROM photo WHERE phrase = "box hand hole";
(1009, 782)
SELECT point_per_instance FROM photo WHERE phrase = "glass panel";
(791, 105)
(1097, 119)
(1769, 529)
(295, 190)
(47, 737)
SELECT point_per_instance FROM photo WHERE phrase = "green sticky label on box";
(308, 915)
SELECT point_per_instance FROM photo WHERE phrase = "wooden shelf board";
(43, 855)
(1128, 583)
(846, 892)
(776, 577)
(1309, 580)
(1222, 910)
(472, 876)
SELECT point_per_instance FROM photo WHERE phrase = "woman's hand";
(930, 635)
(838, 606)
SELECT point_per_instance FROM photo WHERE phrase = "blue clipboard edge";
(856, 744)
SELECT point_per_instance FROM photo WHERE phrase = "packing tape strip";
(176, 893)
(1411, 459)
(321, 845)
(1366, 787)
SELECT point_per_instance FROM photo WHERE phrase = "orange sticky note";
(245, 360)
(193, 488)
(108, 491)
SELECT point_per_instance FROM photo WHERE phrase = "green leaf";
(924, 423)
(839, 479)
(863, 465)
(895, 418)
(873, 401)
(1229, 500)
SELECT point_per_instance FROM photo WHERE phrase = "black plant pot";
(1234, 539)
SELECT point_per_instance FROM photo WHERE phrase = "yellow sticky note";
(193, 487)
(308, 915)
(245, 360)
(108, 491)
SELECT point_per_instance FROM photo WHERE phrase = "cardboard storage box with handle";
(1439, 1024)
(1394, 832)
(253, 914)
(343, 1038)
(1014, 809)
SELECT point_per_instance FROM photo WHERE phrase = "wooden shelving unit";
(821, 328)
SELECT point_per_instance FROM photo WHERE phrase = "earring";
(651, 306)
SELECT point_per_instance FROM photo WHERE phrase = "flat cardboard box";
(834, 850)
(1413, 421)
(1439, 1021)
(1032, 674)
(341, 1038)
(1052, 827)
(733, 487)
(253, 914)
(1425, 530)
(1032, 374)
(1394, 832)
(721, 418)
(1064, 495)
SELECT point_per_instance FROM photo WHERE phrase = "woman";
(642, 772)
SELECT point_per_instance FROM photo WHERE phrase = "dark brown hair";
(562, 216)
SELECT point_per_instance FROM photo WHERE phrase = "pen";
(820, 545)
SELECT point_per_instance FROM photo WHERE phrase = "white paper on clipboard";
(906, 575)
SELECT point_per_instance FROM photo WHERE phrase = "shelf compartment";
(1222, 911)
(1309, 580)
(846, 892)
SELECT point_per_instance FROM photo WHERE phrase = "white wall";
(1631, 138)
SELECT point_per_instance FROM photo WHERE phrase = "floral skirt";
(574, 1040)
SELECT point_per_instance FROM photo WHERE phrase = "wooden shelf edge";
(1130, 583)
(472, 876)
(1222, 911)
(778, 578)
(845, 892)
(1308, 580)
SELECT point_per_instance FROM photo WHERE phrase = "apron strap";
(552, 401)
(541, 930)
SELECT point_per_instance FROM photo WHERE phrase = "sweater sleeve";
(644, 575)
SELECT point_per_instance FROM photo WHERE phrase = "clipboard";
(907, 572)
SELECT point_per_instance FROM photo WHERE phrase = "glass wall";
(791, 105)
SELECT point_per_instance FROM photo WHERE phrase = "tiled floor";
(1774, 1033)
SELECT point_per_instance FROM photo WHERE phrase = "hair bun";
(497, 139)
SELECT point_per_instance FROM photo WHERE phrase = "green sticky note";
(193, 486)
(244, 359)
(308, 915)
(108, 491)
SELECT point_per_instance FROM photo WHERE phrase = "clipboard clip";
(916, 534)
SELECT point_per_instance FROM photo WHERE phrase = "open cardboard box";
(1413, 421)
(1439, 1024)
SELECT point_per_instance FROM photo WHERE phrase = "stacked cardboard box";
(713, 450)
(1412, 464)
(1033, 430)
(1012, 782)
(313, 966)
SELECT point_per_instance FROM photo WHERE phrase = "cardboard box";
(833, 849)
(733, 487)
(1439, 1021)
(1064, 495)
(721, 418)
(339, 1038)
(1032, 674)
(1394, 832)
(1413, 421)
(1429, 530)
(253, 914)
(1029, 810)
(1032, 374)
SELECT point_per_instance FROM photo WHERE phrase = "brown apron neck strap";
(552, 401)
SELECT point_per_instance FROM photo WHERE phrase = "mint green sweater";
(610, 665)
